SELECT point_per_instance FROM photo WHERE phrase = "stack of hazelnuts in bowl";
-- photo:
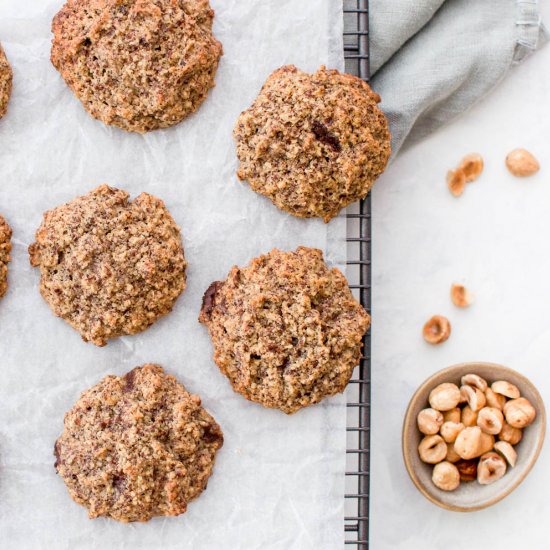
(470, 432)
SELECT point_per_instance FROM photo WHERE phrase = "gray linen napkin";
(432, 59)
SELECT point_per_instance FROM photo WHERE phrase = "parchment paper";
(278, 480)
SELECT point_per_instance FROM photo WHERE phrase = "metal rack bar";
(356, 53)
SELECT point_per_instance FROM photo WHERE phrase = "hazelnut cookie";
(137, 446)
(108, 266)
(286, 329)
(312, 143)
(137, 64)
(6, 79)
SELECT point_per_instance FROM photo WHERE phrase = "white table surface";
(495, 240)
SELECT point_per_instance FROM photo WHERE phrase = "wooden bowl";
(471, 496)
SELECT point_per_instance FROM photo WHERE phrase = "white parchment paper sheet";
(278, 481)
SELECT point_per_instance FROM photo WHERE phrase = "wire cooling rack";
(356, 53)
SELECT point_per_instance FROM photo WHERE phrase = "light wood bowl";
(472, 496)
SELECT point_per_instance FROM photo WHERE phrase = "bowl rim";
(406, 429)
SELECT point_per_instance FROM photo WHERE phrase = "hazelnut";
(475, 381)
(445, 476)
(437, 330)
(472, 166)
(429, 421)
(505, 388)
(450, 430)
(452, 415)
(456, 181)
(491, 467)
(474, 397)
(519, 412)
(496, 400)
(486, 443)
(507, 451)
(451, 454)
(522, 163)
(444, 397)
(490, 420)
(469, 417)
(467, 442)
(510, 434)
(467, 469)
(460, 296)
(432, 449)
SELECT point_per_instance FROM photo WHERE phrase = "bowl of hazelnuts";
(471, 434)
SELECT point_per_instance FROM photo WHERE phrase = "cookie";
(286, 329)
(140, 65)
(6, 79)
(312, 143)
(109, 266)
(137, 446)
(5, 249)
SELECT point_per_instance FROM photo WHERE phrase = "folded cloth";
(433, 59)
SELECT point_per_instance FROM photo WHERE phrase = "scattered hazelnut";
(467, 469)
(437, 330)
(456, 181)
(429, 421)
(449, 430)
(460, 296)
(507, 451)
(519, 412)
(452, 415)
(510, 434)
(490, 420)
(496, 400)
(444, 397)
(486, 443)
(472, 166)
(522, 163)
(432, 449)
(452, 456)
(467, 442)
(475, 381)
(491, 468)
(505, 388)
(469, 417)
(445, 476)
(475, 398)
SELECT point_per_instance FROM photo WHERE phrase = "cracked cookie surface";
(137, 446)
(6, 80)
(286, 329)
(108, 266)
(312, 143)
(140, 65)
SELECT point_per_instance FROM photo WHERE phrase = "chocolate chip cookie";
(137, 64)
(109, 266)
(286, 330)
(5, 249)
(6, 79)
(137, 446)
(312, 143)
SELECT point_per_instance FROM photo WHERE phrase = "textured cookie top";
(137, 446)
(312, 143)
(137, 64)
(109, 266)
(286, 329)
(5, 249)
(6, 79)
